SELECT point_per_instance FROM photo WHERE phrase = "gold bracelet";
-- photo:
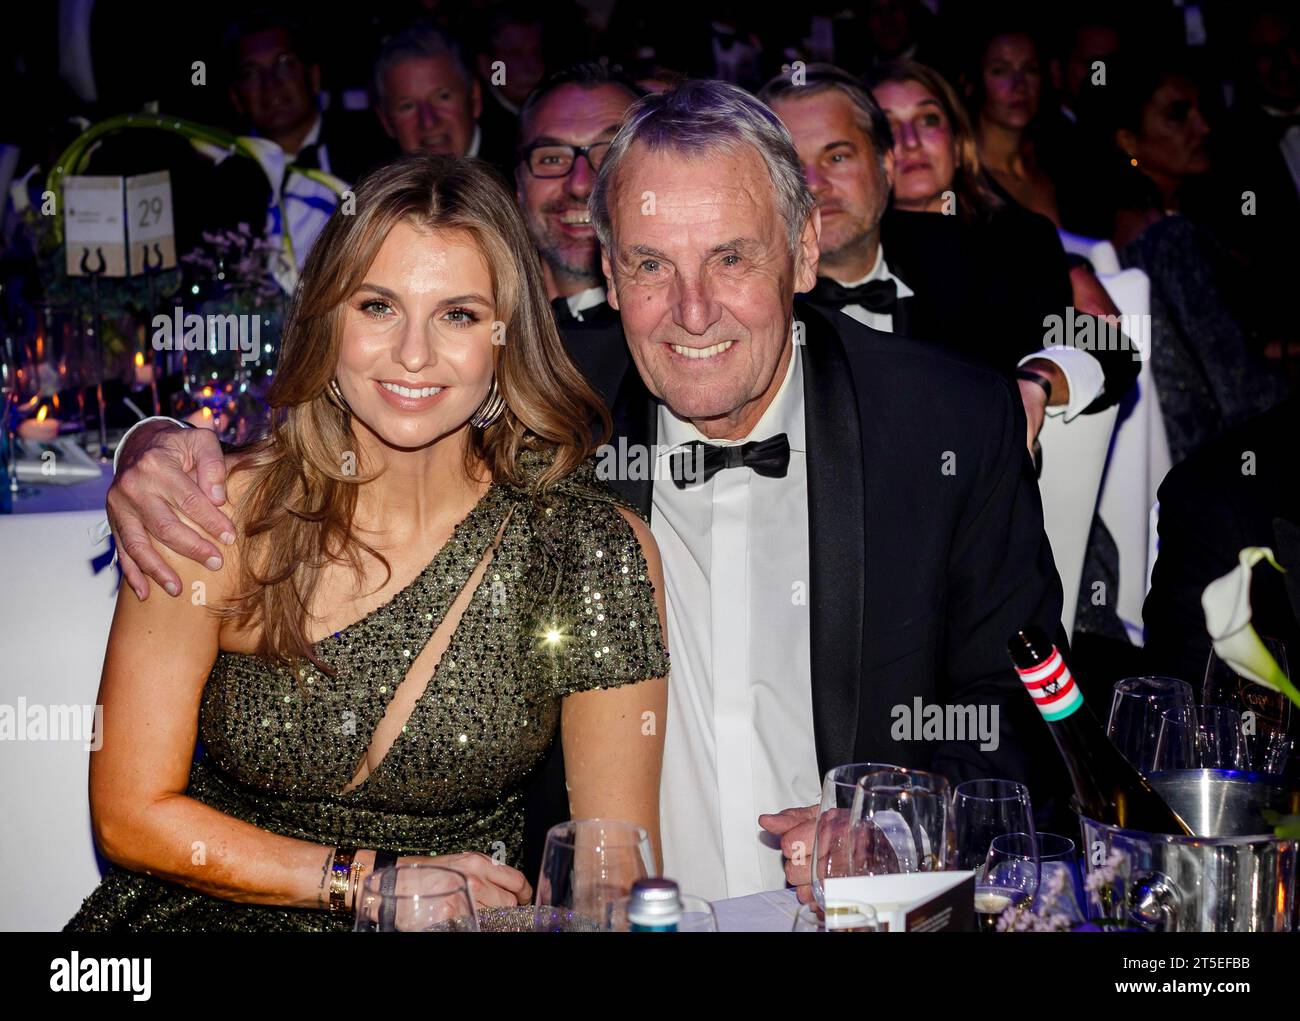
(340, 878)
(356, 876)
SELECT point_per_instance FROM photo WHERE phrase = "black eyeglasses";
(554, 159)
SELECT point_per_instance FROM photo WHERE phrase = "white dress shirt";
(1083, 373)
(583, 300)
(740, 723)
(877, 320)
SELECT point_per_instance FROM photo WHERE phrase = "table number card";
(149, 222)
(94, 227)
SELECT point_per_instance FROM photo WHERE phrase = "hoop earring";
(490, 410)
(335, 396)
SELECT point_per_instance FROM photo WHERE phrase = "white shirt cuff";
(152, 418)
(100, 532)
(1083, 375)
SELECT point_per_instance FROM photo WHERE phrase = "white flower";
(1226, 602)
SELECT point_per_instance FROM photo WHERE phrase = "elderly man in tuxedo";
(862, 539)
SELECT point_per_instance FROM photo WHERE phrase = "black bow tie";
(770, 457)
(875, 295)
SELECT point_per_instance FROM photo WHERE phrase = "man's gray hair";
(703, 117)
(418, 42)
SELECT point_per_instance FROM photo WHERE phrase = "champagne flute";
(1137, 709)
(831, 835)
(415, 897)
(1010, 878)
(587, 866)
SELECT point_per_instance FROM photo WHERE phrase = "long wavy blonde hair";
(297, 516)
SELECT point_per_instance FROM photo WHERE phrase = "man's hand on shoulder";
(164, 471)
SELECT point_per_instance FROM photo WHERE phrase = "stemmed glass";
(982, 810)
(910, 810)
(1010, 877)
(587, 866)
(415, 897)
(1137, 710)
(831, 843)
(844, 916)
(1202, 737)
(1265, 714)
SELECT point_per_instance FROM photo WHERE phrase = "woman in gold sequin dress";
(426, 583)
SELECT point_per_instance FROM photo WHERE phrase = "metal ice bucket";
(1233, 876)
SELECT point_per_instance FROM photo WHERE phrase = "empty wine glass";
(982, 810)
(588, 865)
(1265, 713)
(415, 897)
(831, 835)
(1010, 878)
(1060, 877)
(1137, 709)
(1202, 737)
(911, 818)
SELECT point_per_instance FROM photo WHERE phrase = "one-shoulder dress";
(565, 605)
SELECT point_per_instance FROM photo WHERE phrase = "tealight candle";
(40, 429)
(143, 371)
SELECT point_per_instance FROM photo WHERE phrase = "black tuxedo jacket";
(927, 550)
(985, 288)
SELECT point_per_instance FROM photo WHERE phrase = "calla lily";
(1226, 602)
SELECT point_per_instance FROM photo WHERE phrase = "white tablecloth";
(55, 611)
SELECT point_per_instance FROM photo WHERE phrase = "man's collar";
(475, 141)
(880, 271)
(584, 300)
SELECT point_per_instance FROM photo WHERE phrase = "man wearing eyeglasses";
(565, 129)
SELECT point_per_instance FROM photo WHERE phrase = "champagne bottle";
(1107, 789)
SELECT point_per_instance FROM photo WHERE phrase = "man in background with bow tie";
(864, 534)
(846, 148)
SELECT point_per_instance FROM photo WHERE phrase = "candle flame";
(56, 402)
(40, 415)
(139, 359)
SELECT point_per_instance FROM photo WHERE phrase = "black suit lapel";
(636, 424)
(836, 538)
(905, 317)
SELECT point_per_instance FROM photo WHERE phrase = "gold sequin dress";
(565, 605)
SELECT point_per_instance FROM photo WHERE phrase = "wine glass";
(1265, 713)
(1010, 878)
(831, 835)
(1060, 877)
(415, 897)
(1137, 709)
(911, 818)
(1202, 737)
(838, 916)
(588, 865)
(982, 810)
